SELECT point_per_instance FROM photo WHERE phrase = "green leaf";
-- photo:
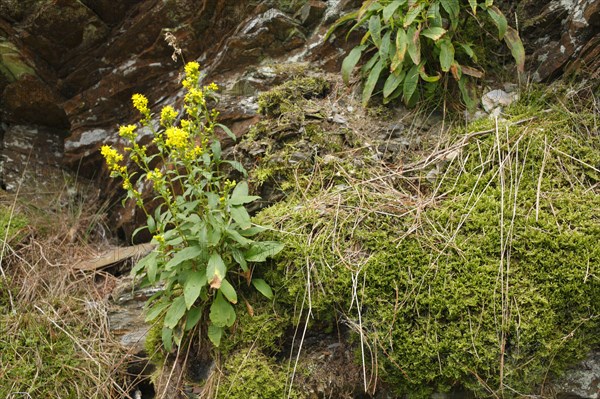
(215, 147)
(369, 64)
(215, 268)
(184, 254)
(386, 43)
(401, 46)
(193, 317)
(167, 338)
(229, 292)
(391, 8)
(499, 20)
(392, 82)
(240, 215)
(350, 62)
(473, 4)
(237, 166)
(427, 78)
(227, 131)
(513, 41)
(262, 287)
(240, 190)
(238, 256)
(446, 54)
(468, 50)
(175, 312)
(151, 224)
(433, 15)
(371, 82)
(156, 311)
(252, 231)
(434, 33)
(143, 263)
(453, 9)
(222, 313)
(260, 251)
(410, 83)
(375, 30)
(340, 21)
(151, 270)
(240, 196)
(196, 280)
(412, 14)
(414, 45)
(237, 237)
(214, 334)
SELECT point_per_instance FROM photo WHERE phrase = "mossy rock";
(491, 287)
(250, 374)
(289, 94)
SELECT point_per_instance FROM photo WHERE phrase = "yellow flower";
(112, 157)
(140, 102)
(194, 153)
(127, 132)
(167, 115)
(159, 238)
(127, 184)
(154, 175)
(192, 75)
(195, 96)
(211, 87)
(176, 137)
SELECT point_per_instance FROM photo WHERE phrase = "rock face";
(582, 381)
(561, 35)
(73, 65)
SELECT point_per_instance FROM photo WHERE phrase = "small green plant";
(419, 41)
(201, 226)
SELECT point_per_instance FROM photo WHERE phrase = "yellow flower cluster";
(127, 132)
(167, 116)
(192, 75)
(176, 138)
(154, 175)
(211, 87)
(195, 96)
(140, 102)
(194, 153)
(127, 184)
(112, 157)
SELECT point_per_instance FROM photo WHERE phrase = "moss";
(493, 286)
(251, 375)
(39, 359)
(279, 99)
(12, 65)
(12, 224)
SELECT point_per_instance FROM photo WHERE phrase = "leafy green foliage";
(416, 42)
(201, 227)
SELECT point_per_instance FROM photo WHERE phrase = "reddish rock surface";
(561, 35)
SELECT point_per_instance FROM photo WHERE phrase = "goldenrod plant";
(201, 227)
(418, 42)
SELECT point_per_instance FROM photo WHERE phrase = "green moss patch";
(12, 224)
(290, 94)
(249, 374)
(485, 279)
